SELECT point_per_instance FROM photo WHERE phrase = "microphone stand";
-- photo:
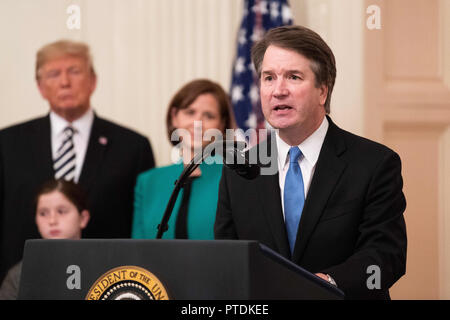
(195, 162)
(223, 146)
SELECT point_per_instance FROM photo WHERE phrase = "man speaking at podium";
(335, 206)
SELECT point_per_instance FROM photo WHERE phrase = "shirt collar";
(82, 125)
(310, 147)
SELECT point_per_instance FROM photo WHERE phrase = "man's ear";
(93, 82)
(323, 94)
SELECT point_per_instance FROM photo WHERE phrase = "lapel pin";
(103, 140)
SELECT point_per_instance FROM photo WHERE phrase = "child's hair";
(72, 191)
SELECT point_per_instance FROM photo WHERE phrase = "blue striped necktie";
(294, 196)
(65, 161)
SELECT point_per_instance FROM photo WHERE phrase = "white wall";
(144, 50)
(341, 24)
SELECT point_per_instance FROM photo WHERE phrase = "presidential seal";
(127, 283)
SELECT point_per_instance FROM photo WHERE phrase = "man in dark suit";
(71, 143)
(334, 204)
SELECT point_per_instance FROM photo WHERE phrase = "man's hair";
(305, 42)
(187, 95)
(62, 48)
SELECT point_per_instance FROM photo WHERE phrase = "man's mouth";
(65, 96)
(282, 107)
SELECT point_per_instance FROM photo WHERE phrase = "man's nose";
(280, 89)
(64, 79)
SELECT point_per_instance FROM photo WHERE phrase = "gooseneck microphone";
(234, 157)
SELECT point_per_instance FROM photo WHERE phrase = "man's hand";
(327, 278)
(323, 276)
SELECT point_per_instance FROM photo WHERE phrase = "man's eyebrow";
(287, 71)
(294, 71)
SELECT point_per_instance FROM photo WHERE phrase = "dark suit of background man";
(101, 156)
(339, 212)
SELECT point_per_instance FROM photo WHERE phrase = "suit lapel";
(329, 169)
(269, 196)
(98, 143)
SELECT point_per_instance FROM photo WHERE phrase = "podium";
(164, 269)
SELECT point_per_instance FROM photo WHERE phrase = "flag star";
(286, 14)
(254, 94)
(274, 10)
(257, 34)
(252, 120)
(241, 37)
(239, 66)
(245, 12)
(252, 68)
(261, 7)
(236, 94)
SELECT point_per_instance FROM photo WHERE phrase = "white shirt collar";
(82, 125)
(310, 147)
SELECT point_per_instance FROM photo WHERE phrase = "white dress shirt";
(82, 128)
(310, 149)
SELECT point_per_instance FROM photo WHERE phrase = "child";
(61, 213)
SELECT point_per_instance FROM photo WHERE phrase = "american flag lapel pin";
(103, 140)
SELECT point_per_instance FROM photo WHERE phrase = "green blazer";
(153, 190)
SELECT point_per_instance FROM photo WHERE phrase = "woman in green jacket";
(199, 107)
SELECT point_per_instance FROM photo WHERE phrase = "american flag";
(258, 17)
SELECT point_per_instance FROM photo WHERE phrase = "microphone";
(234, 158)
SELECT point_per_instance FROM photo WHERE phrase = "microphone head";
(234, 157)
(237, 159)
